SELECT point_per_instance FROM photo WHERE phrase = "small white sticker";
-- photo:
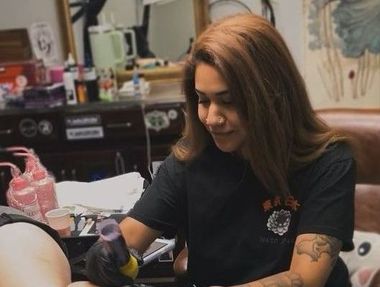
(84, 133)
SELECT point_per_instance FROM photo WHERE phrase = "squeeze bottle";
(43, 183)
(21, 195)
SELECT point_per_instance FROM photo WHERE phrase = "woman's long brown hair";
(269, 94)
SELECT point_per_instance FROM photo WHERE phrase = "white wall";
(289, 22)
(123, 11)
(170, 28)
(23, 13)
(288, 14)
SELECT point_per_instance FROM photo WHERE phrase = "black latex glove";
(102, 267)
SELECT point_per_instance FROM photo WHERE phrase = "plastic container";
(59, 219)
(43, 183)
(45, 189)
(69, 83)
(56, 74)
(21, 195)
(80, 86)
(136, 82)
(91, 82)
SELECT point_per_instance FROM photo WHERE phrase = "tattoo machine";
(114, 242)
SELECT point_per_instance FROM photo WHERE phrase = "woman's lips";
(221, 134)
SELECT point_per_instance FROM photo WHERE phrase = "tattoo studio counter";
(96, 140)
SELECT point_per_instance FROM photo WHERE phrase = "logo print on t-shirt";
(279, 220)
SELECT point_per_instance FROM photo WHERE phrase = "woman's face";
(216, 110)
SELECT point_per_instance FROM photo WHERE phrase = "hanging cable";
(267, 6)
(148, 143)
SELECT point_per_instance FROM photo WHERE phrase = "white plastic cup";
(59, 219)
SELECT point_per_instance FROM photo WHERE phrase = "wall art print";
(342, 53)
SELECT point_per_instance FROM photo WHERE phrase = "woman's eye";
(227, 101)
(202, 100)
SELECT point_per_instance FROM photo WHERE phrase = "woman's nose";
(215, 117)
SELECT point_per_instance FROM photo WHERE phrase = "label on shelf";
(85, 133)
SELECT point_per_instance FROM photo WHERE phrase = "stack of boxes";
(23, 79)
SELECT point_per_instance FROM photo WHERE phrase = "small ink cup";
(59, 219)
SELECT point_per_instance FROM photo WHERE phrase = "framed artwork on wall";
(342, 53)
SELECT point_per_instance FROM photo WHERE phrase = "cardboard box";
(15, 45)
(16, 76)
(45, 96)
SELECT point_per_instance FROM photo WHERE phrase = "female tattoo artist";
(262, 189)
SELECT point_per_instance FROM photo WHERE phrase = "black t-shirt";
(236, 230)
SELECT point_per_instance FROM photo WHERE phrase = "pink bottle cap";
(56, 74)
(18, 183)
(39, 174)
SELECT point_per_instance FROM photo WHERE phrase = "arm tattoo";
(320, 244)
(283, 280)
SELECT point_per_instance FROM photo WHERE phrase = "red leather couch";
(363, 127)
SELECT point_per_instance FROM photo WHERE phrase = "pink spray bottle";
(41, 181)
(21, 195)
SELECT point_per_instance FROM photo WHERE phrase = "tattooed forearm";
(320, 244)
(283, 280)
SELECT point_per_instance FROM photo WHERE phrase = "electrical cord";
(267, 6)
(119, 164)
(148, 142)
(83, 5)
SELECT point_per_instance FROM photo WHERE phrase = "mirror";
(172, 23)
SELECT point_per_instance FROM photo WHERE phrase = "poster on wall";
(43, 42)
(342, 53)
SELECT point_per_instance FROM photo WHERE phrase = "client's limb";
(30, 257)
(82, 284)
